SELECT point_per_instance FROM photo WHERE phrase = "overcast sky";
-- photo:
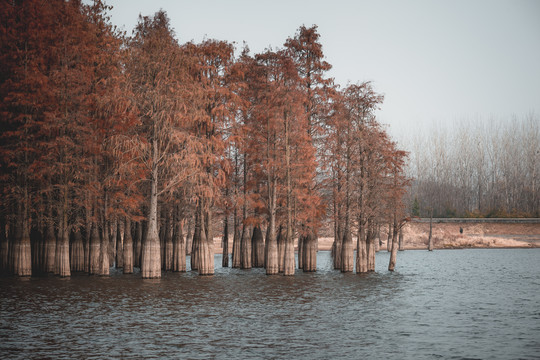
(435, 61)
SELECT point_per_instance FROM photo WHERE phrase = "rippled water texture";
(448, 304)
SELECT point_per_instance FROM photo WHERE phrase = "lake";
(475, 303)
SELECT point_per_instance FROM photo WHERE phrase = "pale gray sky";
(435, 61)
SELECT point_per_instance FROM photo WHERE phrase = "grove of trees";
(137, 151)
(478, 168)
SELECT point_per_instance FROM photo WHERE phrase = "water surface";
(444, 304)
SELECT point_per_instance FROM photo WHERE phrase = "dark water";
(444, 304)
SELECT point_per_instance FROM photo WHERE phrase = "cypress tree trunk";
(189, 238)
(195, 243)
(4, 247)
(179, 248)
(337, 248)
(77, 252)
(151, 252)
(49, 249)
(370, 242)
(401, 240)
(271, 248)
(168, 242)
(113, 241)
(347, 252)
(206, 255)
(22, 259)
(257, 248)
(361, 251)
(137, 245)
(281, 249)
(62, 267)
(104, 264)
(120, 234)
(389, 240)
(393, 254)
(127, 250)
(310, 252)
(301, 239)
(95, 245)
(37, 246)
(245, 249)
(288, 253)
(225, 243)
(236, 252)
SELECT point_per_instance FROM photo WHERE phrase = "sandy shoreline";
(447, 235)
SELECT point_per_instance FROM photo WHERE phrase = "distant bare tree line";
(479, 168)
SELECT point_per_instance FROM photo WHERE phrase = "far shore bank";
(455, 234)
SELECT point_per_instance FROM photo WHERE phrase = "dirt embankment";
(471, 234)
(447, 235)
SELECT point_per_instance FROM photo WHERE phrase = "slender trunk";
(195, 242)
(113, 241)
(49, 244)
(189, 238)
(347, 252)
(22, 261)
(104, 263)
(137, 245)
(393, 253)
(127, 251)
(310, 252)
(400, 242)
(4, 247)
(179, 248)
(288, 256)
(389, 240)
(361, 251)
(120, 235)
(245, 249)
(151, 252)
(225, 243)
(77, 252)
(430, 239)
(370, 242)
(257, 248)
(236, 252)
(281, 248)
(168, 242)
(206, 255)
(272, 258)
(95, 245)
(301, 239)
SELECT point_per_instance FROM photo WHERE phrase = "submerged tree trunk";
(206, 254)
(236, 252)
(168, 242)
(195, 242)
(257, 248)
(120, 234)
(361, 251)
(151, 252)
(113, 241)
(271, 249)
(370, 242)
(179, 248)
(281, 249)
(400, 242)
(137, 245)
(95, 244)
(301, 239)
(4, 247)
(22, 253)
(77, 252)
(225, 243)
(310, 252)
(127, 250)
(389, 240)
(49, 249)
(189, 238)
(347, 252)
(245, 249)
(430, 239)
(393, 254)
